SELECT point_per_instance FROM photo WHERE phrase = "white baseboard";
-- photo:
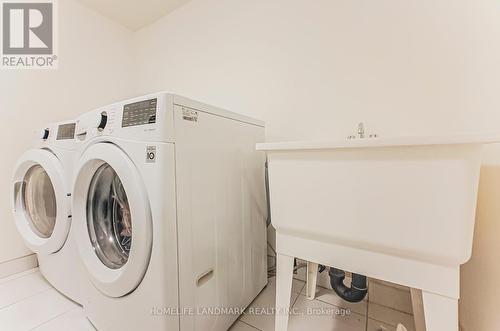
(18, 265)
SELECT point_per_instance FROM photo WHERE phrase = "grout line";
(393, 286)
(18, 275)
(53, 318)
(331, 304)
(18, 258)
(297, 298)
(385, 322)
(250, 325)
(339, 307)
(48, 287)
(393, 309)
(23, 275)
(26, 298)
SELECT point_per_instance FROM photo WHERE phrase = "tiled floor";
(330, 313)
(28, 302)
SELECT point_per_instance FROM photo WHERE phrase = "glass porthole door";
(41, 205)
(115, 232)
(108, 218)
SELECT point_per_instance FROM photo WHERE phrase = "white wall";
(93, 70)
(314, 69)
(479, 283)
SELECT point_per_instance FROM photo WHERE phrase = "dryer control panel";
(66, 131)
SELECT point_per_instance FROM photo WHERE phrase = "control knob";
(45, 134)
(103, 121)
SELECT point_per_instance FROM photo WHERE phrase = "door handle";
(18, 187)
(204, 277)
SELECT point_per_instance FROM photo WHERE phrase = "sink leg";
(312, 277)
(284, 276)
(418, 309)
(441, 313)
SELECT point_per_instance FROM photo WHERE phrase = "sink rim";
(456, 139)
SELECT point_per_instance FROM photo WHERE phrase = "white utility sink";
(396, 209)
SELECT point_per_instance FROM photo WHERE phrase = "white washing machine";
(42, 197)
(169, 204)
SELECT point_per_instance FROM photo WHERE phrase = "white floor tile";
(329, 296)
(374, 325)
(318, 315)
(240, 326)
(260, 313)
(397, 286)
(390, 316)
(74, 318)
(390, 295)
(32, 312)
(18, 275)
(307, 314)
(21, 288)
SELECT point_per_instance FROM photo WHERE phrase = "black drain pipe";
(355, 293)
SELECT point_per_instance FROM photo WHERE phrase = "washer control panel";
(139, 113)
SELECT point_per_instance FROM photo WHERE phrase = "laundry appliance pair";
(167, 214)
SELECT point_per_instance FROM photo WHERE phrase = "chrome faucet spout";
(361, 133)
(361, 130)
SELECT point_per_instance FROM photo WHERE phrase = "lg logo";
(27, 28)
(150, 154)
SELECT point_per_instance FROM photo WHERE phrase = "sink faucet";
(361, 130)
(361, 133)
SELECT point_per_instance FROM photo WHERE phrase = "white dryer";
(169, 203)
(42, 197)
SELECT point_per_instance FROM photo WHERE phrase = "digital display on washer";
(66, 131)
(139, 113)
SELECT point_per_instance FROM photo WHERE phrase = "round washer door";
(41, 203)
(113, 219)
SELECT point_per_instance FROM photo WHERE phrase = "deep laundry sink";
(397, 209)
